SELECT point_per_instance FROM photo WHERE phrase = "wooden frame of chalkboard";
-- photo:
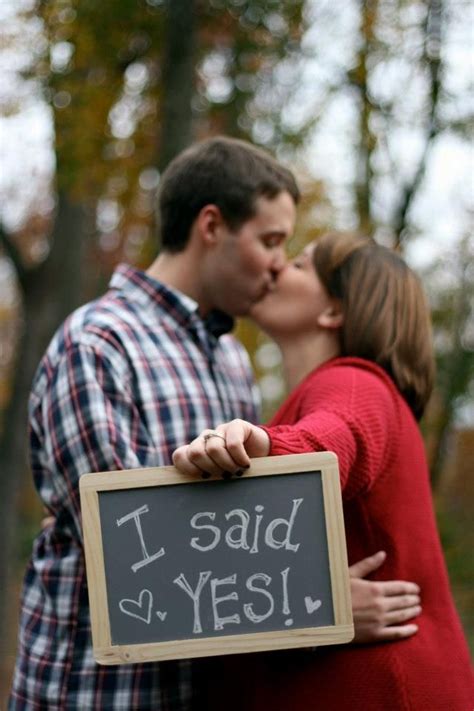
(108, 650)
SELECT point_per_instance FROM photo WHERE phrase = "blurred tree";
(453, 317)
(392, 80)
(129, 84)
(433, 27)
(414, 43)
(178, 80)
(398, 55)
(42, 309)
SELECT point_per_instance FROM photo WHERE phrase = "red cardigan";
(351, 407)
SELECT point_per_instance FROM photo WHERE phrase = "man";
(126, 380)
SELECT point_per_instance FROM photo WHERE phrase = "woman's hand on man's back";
(381, 609)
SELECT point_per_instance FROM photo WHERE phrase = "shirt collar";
(139, 285)
(217, 323)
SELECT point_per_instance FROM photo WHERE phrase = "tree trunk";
(432, 55)
(367, 142)
(459, 365)
(178, 79)
(50, 292)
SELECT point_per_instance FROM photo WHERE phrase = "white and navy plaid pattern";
(126, 380)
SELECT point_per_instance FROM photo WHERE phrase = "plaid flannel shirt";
(126, 380)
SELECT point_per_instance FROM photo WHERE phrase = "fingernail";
(239, 472)
(206, 475)
(226, 475)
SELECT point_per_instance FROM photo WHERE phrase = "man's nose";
(279, 260)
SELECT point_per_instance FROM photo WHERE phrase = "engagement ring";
(212, 434)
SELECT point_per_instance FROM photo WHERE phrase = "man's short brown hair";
(221, 171)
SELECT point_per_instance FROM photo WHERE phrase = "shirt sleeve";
(86, 421)
(347, 411)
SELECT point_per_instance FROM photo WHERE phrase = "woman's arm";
(350, 412)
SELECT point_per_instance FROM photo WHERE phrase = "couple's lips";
(269, 289)
(271, 286)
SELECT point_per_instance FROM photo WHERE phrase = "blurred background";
(370, 103)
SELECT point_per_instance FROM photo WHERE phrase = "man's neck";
(178, 271)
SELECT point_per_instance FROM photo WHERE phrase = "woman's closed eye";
(302, 260)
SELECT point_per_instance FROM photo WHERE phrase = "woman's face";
(297, 301)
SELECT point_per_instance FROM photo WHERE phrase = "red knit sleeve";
(349, 411)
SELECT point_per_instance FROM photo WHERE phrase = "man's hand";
(380, 609)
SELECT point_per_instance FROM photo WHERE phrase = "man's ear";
(208, 223)
(332, 316)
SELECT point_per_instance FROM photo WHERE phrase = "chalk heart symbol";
(141, 608)
(311, 605)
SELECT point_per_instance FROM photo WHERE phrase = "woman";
(351, 321)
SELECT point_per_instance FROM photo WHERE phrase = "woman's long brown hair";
(386, 316)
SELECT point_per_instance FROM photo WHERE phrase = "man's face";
(246, 262)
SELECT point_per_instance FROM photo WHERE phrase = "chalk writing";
(244, 535)
(218, 558)
(141, 608)
(194, 595)
(311, 605)
(241, 530)
(135, 515)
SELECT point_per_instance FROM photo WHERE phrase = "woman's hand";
(223, 451)
(380, 609)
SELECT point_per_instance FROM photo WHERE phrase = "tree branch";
(432, 56)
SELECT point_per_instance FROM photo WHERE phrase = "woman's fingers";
(182, 462)
(367, 565)
(401, 602)
(397, 587)
(214, 453)
(245, 440)
(206, 455)
(390, 634)
(397, 617)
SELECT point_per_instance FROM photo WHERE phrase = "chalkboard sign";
(179, 567)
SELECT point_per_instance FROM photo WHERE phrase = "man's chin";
(257, 300)
(255, 307)
(264, 293)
